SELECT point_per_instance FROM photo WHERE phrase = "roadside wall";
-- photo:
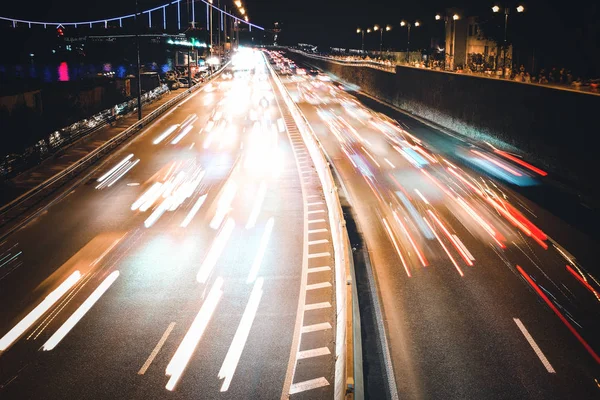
(558, 129)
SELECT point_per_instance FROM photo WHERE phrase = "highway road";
(195, 263)
(480, 299)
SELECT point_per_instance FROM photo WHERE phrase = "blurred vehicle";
(227, 75)
(184, 82)
(313, 72)
(300, 71)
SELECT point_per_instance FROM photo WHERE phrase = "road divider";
(348, 376)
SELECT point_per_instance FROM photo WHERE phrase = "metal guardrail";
(342, 256)
(18, 206)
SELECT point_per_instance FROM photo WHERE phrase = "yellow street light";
(495, 9)
(388, 28)
(417, 23)
(246, 18)
(520, 8)
(358, 30)
(402, 23)
(438, 17)
(376, 28)
(238, 3)
(456, 17)
(369, 30)
(242, 11)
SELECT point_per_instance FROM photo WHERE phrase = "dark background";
(558, 33)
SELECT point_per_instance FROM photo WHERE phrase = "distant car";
(313, 72)
(300, 71)
(184, 82)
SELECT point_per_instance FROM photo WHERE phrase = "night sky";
(562, 32)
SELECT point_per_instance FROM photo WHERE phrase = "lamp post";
(381, 29)
(139, 66)
(445, 17)
(496, 9)
(362, 32)
(409, 25)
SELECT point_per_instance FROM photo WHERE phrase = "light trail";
(70, 323)
(444, 247)
(184, 132)
(115, 168)
(393, 239)
(165, 134)
(193, 211)
(35, 314)
(521, 162)
(188, 345)
(465, 254)
(260, 196)
(224, 204)
(215, 251)
(498, 163)
(410, 239)
(264, 241)
(241, 336)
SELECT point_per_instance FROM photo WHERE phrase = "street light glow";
(369, 30)
(242, 11)
(495, 9)
(402, 23)
(388, 28)
(237, 3)
(376, 28)
(358, 30)
(417, 23)
(520, 8)
(438, 17)
(456, 17)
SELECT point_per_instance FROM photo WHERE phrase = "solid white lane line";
(159, 345)
(320, 285)
(264, 241)
(316, 212)
(80, 312)
(317, 306)
(38, 311)
(191, 339)
(316, 327)
(534, 346)
(315, 203)
(262, 190)
(321, 351)
(308, 385)
(315, 221)
(320, 241)
(241, 336)
(319, 255)
(317, 230)
(319, 269)
(215, 251)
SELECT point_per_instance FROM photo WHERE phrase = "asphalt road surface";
(480, 299)
(176, 271)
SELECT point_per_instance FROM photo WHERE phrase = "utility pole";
(139, 75)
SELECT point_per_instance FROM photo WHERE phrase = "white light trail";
(260, 196)
(60, 334)
(264, 241)
(166, 133)
(193, 211)
(191, 339)
(182, 134)
(241, 336)
(115, 168)
(158, 212)
(147, 194)
(224, 204)
(215, 251)
(125, 170)
(38, 311)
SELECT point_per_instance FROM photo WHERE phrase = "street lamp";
(362, 31)
(381, 29)
(409, 25)
(496, 9)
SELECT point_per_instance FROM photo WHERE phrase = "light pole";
(139, 66)
(381, 29)
(409, 25)
(496, 9)
(362, 32)
(437, 18)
